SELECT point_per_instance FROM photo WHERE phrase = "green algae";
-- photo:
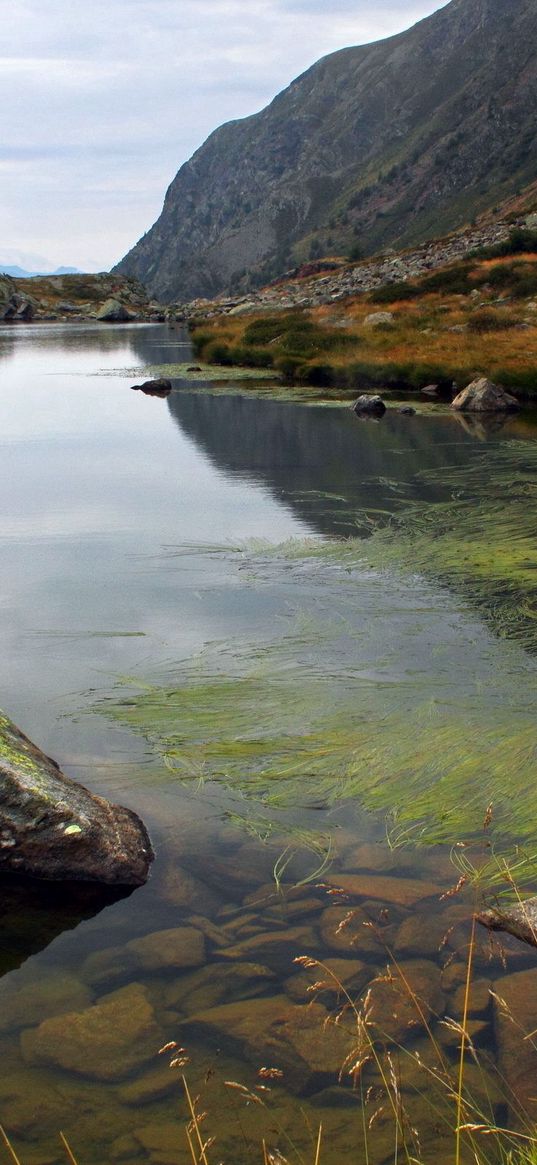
(384, 690)
(198, 373)
(11, 752)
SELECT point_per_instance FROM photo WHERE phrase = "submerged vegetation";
(451, 325)
(323, 710)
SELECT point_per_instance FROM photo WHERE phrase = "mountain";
(383, 145)
(20, 273)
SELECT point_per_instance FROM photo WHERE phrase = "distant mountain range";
(384, 145)
(20, 273)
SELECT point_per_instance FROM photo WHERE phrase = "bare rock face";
(53, 828)
(482, 396)
(447, 98)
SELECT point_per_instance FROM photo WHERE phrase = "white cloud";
(106, 101)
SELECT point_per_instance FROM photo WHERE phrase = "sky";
(102, 101)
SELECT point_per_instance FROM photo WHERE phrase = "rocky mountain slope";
(387, 144)
(110, 298)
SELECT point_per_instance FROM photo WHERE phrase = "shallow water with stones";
(181, 631)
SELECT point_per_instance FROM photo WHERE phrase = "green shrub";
(218, 353)
(251, 357)
(319, 375)
(450, 280)
(265, 330)
(520, 241)
(290, 368)
(487, 319)
(200, 338)
(520, 279)
(392, 292)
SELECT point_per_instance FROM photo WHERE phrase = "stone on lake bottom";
(399, 891)
(179, 948)
(299, 1040)
(105, 1042)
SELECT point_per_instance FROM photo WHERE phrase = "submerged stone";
(180, 948)
(299, 1040)
(215, 984)
(54, 993)
(401, 1003)
(51, 827)
(105, 1042)
(396, 891)
(514, 1020)
(153, 1085)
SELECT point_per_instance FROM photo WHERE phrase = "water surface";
(136, 539)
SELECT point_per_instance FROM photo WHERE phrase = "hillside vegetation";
(477, 317)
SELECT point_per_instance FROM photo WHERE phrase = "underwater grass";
(383, 691)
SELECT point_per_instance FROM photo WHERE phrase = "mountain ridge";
(384, 144)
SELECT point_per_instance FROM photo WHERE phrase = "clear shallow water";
(108, 502)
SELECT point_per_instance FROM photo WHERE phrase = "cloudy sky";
(103, 101)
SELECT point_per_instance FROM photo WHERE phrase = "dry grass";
(420, 344)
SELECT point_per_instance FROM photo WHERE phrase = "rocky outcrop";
(353, 279)
(53, 828)
(110, 298)
(113, 312)
(482, 396)
(13, 305)
(387, 144)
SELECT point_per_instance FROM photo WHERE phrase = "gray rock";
(114, 312)
(482, 396)
(53, 828)
(160, 387)
(519, 920)
(369, 406)
(378, 319)
(430, 390)
(8, 306)
(407, 411)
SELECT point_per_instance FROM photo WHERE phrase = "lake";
(295, 644)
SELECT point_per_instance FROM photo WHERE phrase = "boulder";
(514, 1021)
(160, 387)
(297, 1039)
(369, 406)
(378, 319)
(105, 1042)
(482, 396)
(407, 411)
(430, 389)
(519, 920)
(8, 306)
(114, 312)
(53, 828)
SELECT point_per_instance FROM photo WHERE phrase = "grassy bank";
(477, 317)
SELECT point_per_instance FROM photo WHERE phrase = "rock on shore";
(482, 396)
(53, 828)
